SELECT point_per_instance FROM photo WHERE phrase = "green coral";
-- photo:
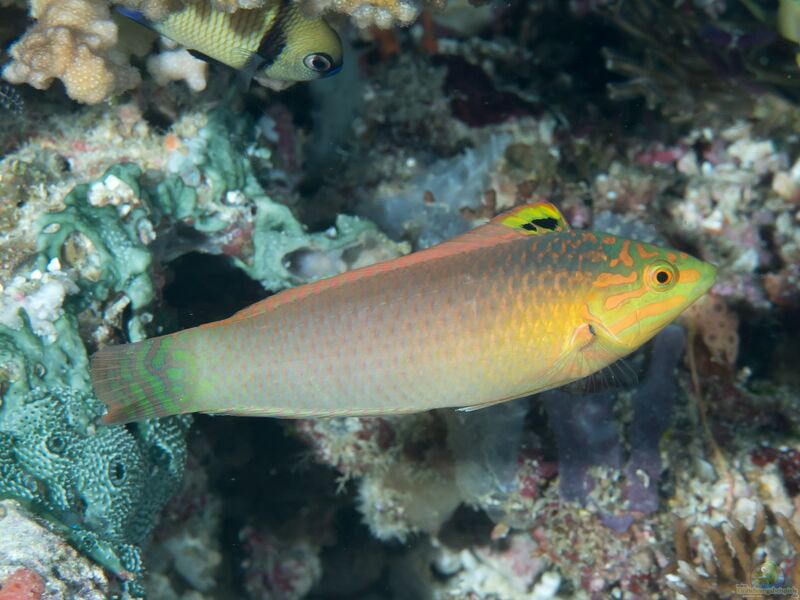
(102, 486)
(107, 252)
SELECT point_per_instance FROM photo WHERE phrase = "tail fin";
(140, 381)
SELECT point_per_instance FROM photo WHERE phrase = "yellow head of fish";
(299, 48)
(640, 290)
(607, 295)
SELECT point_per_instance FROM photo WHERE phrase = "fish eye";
(661, 276)
(319, 62)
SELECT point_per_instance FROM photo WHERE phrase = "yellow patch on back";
(539, 218)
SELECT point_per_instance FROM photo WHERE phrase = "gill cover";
(642, 289)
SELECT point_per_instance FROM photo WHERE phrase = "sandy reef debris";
(28, 550)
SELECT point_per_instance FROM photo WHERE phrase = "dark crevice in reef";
(204, 287)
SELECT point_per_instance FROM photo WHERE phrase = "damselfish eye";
(318, 62)
(661, 276)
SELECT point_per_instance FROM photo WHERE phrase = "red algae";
(22, 584)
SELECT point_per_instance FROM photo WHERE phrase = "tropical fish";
(788, 21)
(519, 305)
(273, 45)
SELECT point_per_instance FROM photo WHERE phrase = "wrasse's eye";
(661, 276)
(319, 62)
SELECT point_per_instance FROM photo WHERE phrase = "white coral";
(178, 65)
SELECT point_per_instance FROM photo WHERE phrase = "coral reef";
(166, 208)
(79, 42)
(588, 439)
(736, 559)
(721, 64)
(10, 99)
(103, 487)
(383, 13)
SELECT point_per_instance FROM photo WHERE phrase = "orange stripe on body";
(647, 311)
(610, 279)
(689, 275)
(644, 253)
(625, 254)
(613, 302)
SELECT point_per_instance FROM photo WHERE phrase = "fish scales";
(275, 45)
(228, 37)
(517, 306)
(384, 344)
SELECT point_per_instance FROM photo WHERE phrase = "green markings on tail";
(143, 380)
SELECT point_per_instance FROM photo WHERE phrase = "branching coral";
(738, 559)
(178, 65)
(10, 99)
(688, 65)
(74, 41)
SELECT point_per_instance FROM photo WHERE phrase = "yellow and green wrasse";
(516, 306)
(274, 44)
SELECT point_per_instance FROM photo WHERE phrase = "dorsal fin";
(538, 218)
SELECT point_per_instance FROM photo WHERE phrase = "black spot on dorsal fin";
(538, 218)
(549, 223)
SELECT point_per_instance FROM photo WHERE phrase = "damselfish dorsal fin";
(539, 218)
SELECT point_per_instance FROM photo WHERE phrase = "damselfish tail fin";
(142, 380)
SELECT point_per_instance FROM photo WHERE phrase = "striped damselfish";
(275, 45)
(516, 306)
